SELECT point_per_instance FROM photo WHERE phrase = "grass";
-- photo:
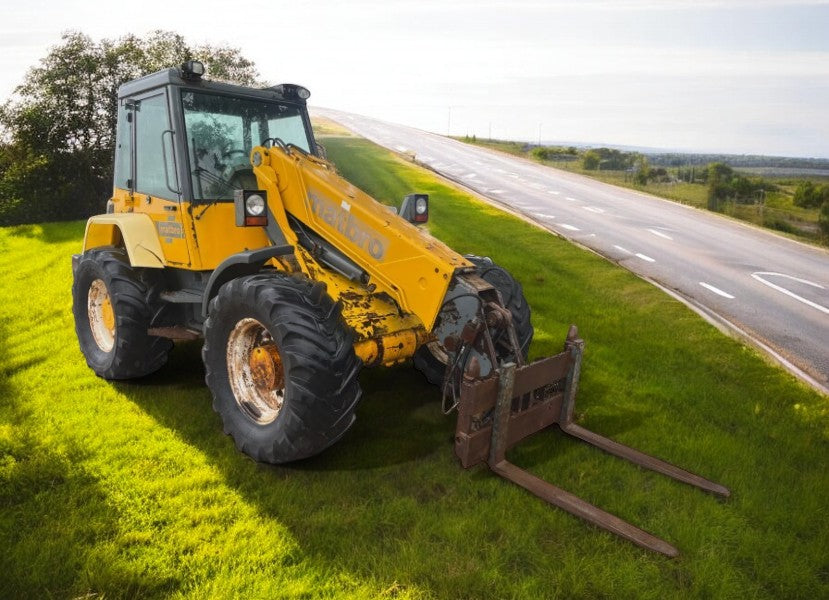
(131, 490)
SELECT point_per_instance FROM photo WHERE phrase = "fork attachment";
(499, 411)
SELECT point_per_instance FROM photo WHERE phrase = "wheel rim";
(255, 371)
(101, 315)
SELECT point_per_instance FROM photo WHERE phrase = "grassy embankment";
(132, 490)
(777, 212)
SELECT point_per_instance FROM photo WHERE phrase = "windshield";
(222, 130)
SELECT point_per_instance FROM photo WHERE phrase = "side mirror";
(415, 208)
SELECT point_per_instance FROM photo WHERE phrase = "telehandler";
(227, 223)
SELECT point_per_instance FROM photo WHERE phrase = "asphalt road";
(770, 290)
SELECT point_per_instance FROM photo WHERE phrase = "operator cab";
(221, 124)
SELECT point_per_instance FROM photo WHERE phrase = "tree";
(591, 160)
(823, 219)
(642, 172)
(57, 136)
(809, 195)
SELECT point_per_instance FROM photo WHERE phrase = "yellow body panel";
(135, 232)
(167, 222)
(409, 271)
(402, 260)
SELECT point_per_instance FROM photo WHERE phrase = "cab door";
(156, 189)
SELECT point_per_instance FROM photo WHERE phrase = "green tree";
(642, 172)
(823, 219)
(57, 134)
(591, 160)
(809, 195)
(719, 177)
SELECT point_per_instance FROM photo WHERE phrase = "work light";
(251, 208)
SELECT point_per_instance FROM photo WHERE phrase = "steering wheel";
(229, 153)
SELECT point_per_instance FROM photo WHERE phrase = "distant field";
(131, 490)
(777, 211)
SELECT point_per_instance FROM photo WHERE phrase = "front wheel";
(280, 364)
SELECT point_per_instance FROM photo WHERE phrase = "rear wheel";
(280, 364)
(431, 360)
(112, 316)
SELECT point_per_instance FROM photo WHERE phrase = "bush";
(823, 219)
(809, 195)
(591, 160)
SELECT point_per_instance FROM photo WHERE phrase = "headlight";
(251, 208)
(255, 205)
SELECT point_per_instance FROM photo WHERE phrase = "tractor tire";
(112, 316)
(429, 358)
(280, 363)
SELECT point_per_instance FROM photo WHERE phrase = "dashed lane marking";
(658, 233)
(716, 290)
(645, 257)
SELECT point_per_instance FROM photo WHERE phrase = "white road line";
(571, 199)
(470, 176)
(537, 186)
(543, 215)
(496, 191)
(400, 148)
(594, 209)
(658, 233)
(625, 250)
(645, 258)
(570, 227)
(553, 192)
(716, 290)
(783, 290)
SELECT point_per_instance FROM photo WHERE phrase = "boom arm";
(401, 260)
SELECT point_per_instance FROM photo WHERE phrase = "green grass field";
(131, 490)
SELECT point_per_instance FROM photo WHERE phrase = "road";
(769, 290)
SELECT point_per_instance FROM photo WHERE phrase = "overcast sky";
(724, 76)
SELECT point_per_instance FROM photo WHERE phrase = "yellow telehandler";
(227, 223)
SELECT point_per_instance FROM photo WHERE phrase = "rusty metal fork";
(562, 404)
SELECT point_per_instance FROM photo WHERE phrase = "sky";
(744, 77)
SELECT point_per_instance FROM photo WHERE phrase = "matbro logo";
(340, 218)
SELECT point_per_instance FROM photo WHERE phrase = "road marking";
(553, 192)
(645, 258)
(594, 209)
(496, 191)
(543, 215)
(783, 290)
(571, 199)
(401, 148)
(717, 291)
(537, 186)
(660, 234)
(625, 250)
(570, 227)
(470, 176)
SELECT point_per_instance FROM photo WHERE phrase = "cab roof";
(174, 77)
